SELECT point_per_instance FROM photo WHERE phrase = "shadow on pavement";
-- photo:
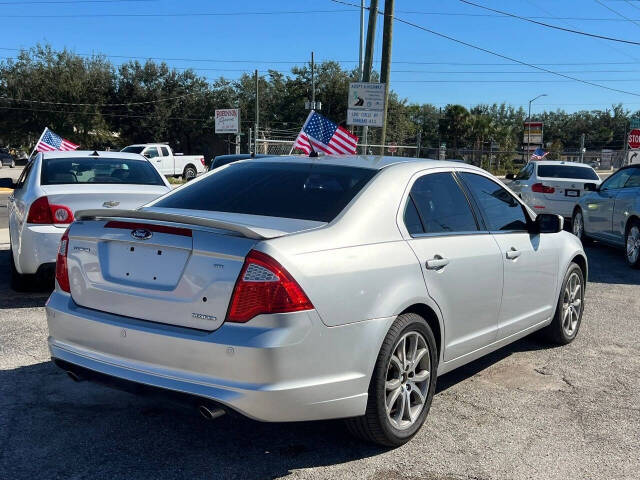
(608, 265)
(52, 427)
(35, 297)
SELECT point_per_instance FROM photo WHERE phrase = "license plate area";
(144, 266)
(571, 193)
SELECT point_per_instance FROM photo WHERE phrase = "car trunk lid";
(565, 189)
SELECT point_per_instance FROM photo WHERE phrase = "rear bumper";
(287, 367)
(38, 245)
(540, 204)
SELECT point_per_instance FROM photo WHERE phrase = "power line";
(103, 104)
(42, 2)
(161, 15)
(100, 113)
(505, 57)
(617, 13)
(556, 27)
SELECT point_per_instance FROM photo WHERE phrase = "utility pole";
(368, 56)
(529, 124)
(255, 143)
(582, 148)
(249, 141)
(385, 67)
(313, 84)
(626, 145)
(360, 58)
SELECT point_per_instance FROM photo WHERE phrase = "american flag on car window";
(49, 142)
(322, 135)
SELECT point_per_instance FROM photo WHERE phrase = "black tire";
(19, 282)
(374, 426)
(189, 173)
(556, 332)
(578, 216)
(633, 224)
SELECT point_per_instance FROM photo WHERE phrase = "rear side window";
(634, 179)
(567, 171)
(441, 206)
(61, 171)
(500, 209)
(302, 191)
(525, 173)
(165, 151)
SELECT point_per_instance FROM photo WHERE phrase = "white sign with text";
(227, 120)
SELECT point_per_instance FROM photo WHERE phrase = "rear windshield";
(132, 149)
(567, 171)
(288, 190)
(60, 171)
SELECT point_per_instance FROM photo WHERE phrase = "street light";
(529, 120)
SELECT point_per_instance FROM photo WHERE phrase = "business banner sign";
(227, 120)
(533, 132)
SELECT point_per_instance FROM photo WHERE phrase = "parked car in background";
(56, 184)
(169, 163)
(220, 160)
(611, 214)
(6, 159)
(554, 187)
(296, 288)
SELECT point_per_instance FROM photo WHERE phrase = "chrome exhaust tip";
(73, 376)
(210, 413)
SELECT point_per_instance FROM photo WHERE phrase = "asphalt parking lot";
(526, 411)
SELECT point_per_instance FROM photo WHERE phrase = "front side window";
(133, 149)
(62, 171)
(634, 179)
(617, 180)
(501, 210)
(441, 206)
(305, 191)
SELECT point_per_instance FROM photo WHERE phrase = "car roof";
(90, 154)
(373, 162)
(557, 162)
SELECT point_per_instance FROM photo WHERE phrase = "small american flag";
(321, 134)
(50, 142)
(538, 154)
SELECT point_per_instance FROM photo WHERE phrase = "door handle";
(512, 254)
(437, 263)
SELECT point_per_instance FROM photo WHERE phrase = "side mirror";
(510, 176)
(7, 183)
(549, 223)
(590, 187)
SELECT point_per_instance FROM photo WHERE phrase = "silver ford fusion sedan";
(294, 288)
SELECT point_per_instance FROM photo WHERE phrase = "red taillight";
(41, 212)
(62, 272)
(540, 188)
(264, 286)
(202, 161)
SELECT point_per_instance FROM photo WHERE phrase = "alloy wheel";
(407, 380)
(633, 244)
(572, 304)
(578, 225)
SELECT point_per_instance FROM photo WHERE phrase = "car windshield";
(302, 191)
(132, 149)
(567, 171)
(60, 171)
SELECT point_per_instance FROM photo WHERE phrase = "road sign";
(634, 138)
(227, 120)
(393, 148)
(365, 105)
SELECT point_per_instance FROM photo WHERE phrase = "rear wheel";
(402, 384)
(566, 322)
(632, 244)
(577, 226)
(189, 173)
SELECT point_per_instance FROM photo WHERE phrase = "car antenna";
(312, 153)
(94, 154)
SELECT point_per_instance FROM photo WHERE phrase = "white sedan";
(56, 184)
(554, 187)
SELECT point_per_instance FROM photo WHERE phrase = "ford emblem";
(141, 234)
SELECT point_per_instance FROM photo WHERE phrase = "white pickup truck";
(169, 163)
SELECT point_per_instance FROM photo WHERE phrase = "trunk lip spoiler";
(244, 230)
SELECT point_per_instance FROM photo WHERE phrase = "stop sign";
(634, 138)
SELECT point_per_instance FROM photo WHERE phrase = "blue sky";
(426, 68)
